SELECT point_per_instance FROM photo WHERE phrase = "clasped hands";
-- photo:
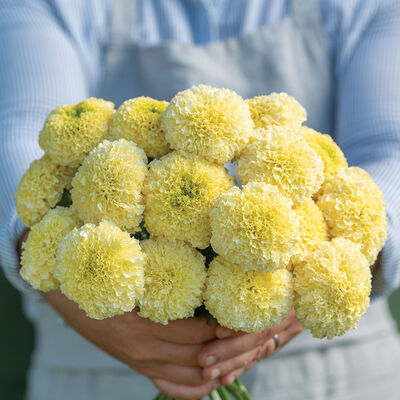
(185, 359)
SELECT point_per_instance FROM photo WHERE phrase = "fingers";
(172, 353)
(236, 343)
(286, 335)
(185, 392)
(187, 376)
(246, 361)
(232, 369)
(223, 333)
(226, 367)
(228, 379)
(185, 331)
(224, 349)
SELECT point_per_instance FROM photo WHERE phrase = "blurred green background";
(16, 340)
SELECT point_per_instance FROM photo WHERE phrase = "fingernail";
(215, 373)
(225, 333)
(230, 380)
(210, 360)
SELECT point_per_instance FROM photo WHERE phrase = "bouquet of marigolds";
(297, 229)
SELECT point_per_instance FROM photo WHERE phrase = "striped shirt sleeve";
(41, 67)
(368, 121)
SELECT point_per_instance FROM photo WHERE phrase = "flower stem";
(214, 395)
(224, 393)
(234, 390)
(242, 388)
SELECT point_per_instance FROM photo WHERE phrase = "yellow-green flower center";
(91, 264)
(155, 110)
(186, 192)
(331, 153)
(76, 111)
(258, 223)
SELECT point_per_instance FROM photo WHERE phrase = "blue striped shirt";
(52, 53)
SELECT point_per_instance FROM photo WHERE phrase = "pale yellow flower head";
(108, 184)
(330, 153)
(276, 109)
(208, 122)
(247, 301)
(255, 227)
(332, 288)
(139, 120)
(71, 131)
(180, 192)
(40, 189)
(174, 279)
(102, 269)
(284, 159)
(353, 208)
(313, 228)
(38, 259)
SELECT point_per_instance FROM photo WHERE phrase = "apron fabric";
(290, 56)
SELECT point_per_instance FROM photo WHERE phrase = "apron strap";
(306, 12)
(123, 13)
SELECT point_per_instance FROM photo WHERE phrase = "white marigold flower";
(108, 185)
(332, 287)
(175, 275)
(41, 188)
(255, 228)
(180, 192)
(139, 120)
(71, 131)
(247, 301)
(101, 268)
(38, 259)
(276, 109)
(353, 208)
(281, 158)
(211, 123)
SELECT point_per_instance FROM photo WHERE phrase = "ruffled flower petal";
(281, 158)
(180, 192)
(255, 227)
(174, 279)
(108, 185)
(41, 188)
(71, 131)
(38, 259)
(211, 123)
(332, 287)
(101, 268)
(247, 301)
(139, 120)
(353, 208)
(276, 109)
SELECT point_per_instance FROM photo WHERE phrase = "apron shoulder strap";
(305, 12)
(124, 26)
(124, 18)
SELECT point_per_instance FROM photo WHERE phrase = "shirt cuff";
(386, 277)
(10, 232)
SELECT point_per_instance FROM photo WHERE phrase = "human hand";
(21, 240)
(234, 353)
(166, 354)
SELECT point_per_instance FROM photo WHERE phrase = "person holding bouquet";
(335, 57)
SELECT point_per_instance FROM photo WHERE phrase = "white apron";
(290, 56)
